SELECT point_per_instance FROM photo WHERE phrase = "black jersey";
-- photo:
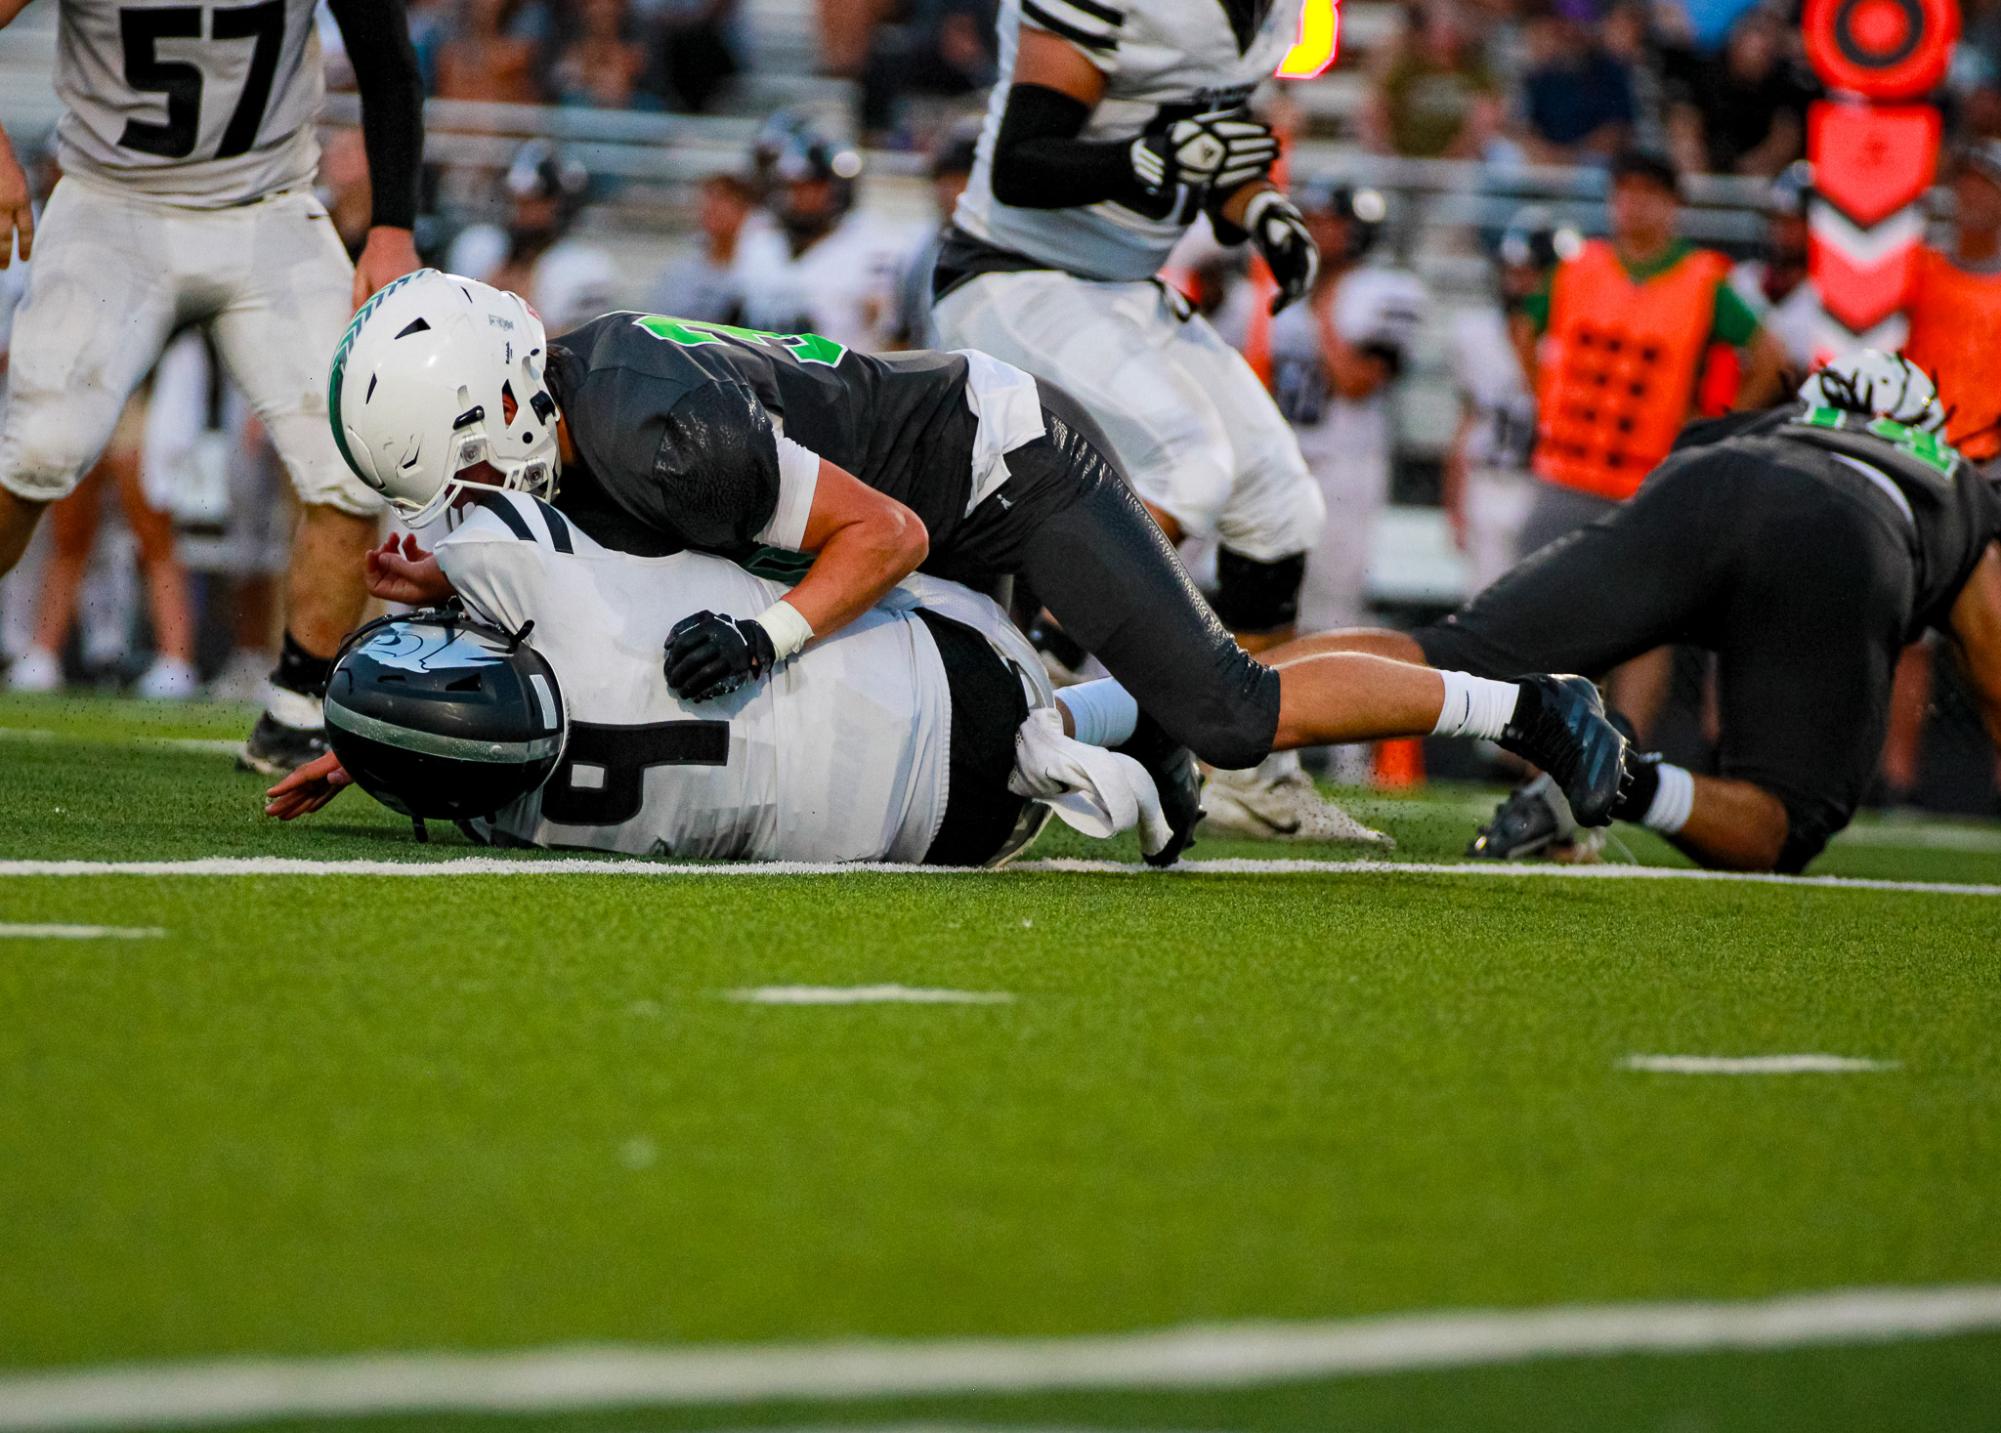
(1954, 511)
(676, 424)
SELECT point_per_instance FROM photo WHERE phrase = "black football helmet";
(442, 717)
(1536, 239)
(1365, 211)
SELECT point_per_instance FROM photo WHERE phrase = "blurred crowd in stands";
(1722, 84)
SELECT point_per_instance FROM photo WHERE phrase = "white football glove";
(1275, 226)
(1219, 150)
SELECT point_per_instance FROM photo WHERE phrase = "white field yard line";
(593, 866)
(1218, 1356)
(1755, 1064)
(863, 995)
(80, 932)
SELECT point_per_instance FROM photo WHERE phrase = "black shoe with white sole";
(275, 748)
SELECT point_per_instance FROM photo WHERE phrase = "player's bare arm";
(377, 33)
(866, 544)
(1976, 632)
(863, 542)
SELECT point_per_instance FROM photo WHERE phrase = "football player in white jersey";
(1488, 490)
(1776, 283)
(916, 734)
(1115, 126)
(1334, 361)
(188, 154)
(825, 266)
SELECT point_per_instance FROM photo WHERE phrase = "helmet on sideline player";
(436, 374)
(1876, 384)
(1361, 213)
(439, 716)
(1536, 239)
(812, 181)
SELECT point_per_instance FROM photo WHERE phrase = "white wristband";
(787, 630)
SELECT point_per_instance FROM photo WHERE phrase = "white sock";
(1476, 706)
(1103, 712)
(1672, 802)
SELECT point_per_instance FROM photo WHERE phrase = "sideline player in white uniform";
(1334, 359)
(1776, 283)
(188, 154)
(1488, 490)
(825, 266)
(915, 734)
(1116, 125)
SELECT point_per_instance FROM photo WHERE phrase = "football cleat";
(1560, 726)
(1532, 819)
(1282, 806)
(1176, 777)
(275, 748)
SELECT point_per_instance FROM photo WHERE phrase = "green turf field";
(334, 1114)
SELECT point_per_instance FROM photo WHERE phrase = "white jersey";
(1373, 307)
(1487, 369)
(840, 755)
(1162, 59)
(200, 105)
(843, 287)
(1798, 321)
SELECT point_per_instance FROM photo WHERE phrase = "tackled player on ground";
(656, 435)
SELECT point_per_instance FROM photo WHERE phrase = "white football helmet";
(1876, 385)
(435, 374)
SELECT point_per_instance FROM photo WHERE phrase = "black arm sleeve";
(715, 471)
(1039, 163)
(377, 33)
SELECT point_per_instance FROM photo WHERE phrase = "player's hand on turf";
(390, 253)
(401, 571)
(1218, 150)
(307, 789)
(17, 211)
(710, 655)
(1275, 226)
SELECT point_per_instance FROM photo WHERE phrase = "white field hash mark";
(80, 932)
(1755, 1064)
(863, 995)
(1215, 1356)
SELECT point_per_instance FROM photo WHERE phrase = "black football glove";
(1223, 149)
(1275, 226)
(710, 655)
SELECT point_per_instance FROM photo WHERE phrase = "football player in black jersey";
(794, 455)
(1805, 546)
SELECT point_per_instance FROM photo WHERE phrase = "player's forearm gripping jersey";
(1162, 60)
(679, 428)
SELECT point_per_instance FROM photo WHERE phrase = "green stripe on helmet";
(337, 373)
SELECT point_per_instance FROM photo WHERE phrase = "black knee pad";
(1229, 723)
(1253, 596)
